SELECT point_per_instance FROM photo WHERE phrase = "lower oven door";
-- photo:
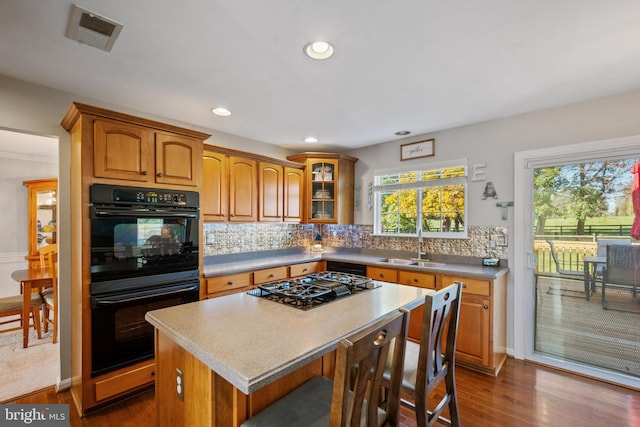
(120, 336)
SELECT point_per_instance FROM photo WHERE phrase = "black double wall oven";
(144, 256)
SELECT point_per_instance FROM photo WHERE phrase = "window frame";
(419, 185)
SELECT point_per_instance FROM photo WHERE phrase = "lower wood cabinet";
(126, 382)
(383, 274)
(482, 333)
(305, 268)
(270, 275)
(229, 284)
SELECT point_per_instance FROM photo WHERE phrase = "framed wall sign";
(418, 149)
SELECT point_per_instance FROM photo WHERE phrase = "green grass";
(603, 220)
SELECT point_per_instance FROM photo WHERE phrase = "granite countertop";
(237, 263)
(251, 342)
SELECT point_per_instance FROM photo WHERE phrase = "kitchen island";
(219, 361)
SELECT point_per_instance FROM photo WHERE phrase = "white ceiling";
(420, 65)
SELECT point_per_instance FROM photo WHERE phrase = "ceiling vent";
(90, 28)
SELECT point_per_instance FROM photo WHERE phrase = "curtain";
(635, 196)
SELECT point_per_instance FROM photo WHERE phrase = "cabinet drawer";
(384, 274)
(305, 268)
(228, 282)
(413, 278)
(269, 275)
(470, 286)
(125, 382)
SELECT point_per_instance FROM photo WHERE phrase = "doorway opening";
(25, 157)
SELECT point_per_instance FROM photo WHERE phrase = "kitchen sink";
(401, 261)
(430, 264)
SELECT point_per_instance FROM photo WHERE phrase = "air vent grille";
(92, 29)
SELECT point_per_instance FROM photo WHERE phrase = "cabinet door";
(322, 192)
(383, 274)
(177, 159)
(474, 333)
(214, 197)
(421, 280)
(271, 192)
(122, 151)
(293, 187)
(243, 186)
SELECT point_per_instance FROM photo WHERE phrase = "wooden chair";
(622, 270)
(12, 307)
(426, 365)
(49, 259)
(353, 397)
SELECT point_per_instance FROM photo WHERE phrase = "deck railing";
(570, 254)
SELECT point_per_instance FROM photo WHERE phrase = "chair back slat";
(358, 378)
(623, 264)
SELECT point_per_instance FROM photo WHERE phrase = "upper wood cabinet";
(42, 211)
(329, 180)
(136, 153)
(245, 187)
(214, 197)
(270, 192)
(293, 194)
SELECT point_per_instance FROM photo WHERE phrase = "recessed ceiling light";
(311, 139)
(221, 111)
(318, 50)
(403, 132)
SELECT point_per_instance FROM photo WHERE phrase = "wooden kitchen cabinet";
(297, 270)
(229, 284)
(243, 190)
(42, 214)
(481, 342)
(131, 152)
(329, 182)
(247, 187)
(270, 192)
(108, 147)
(421, 280)
(214, 197)
(383, 274)
(293, 194)
(270, 274)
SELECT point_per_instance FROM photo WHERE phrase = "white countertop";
(251, 341)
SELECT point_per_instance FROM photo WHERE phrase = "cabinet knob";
(153, 373)
(143, 173)
(271, 275)
(305, 270)
(464, 285)
(159, 174)
(486, 307)
(415, 280)
(229, 283)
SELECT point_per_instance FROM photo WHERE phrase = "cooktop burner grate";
(314, 289)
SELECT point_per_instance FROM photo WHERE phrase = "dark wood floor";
(524, 394)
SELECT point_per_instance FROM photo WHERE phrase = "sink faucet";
(420, 253)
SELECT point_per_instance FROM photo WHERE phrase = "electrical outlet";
(179, 384)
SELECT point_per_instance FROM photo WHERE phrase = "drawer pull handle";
(486, 307)
(229, 283)
(415, 280)
(464, 285)
(159, 174)
(153, 373)
(144, 172)
(305, 270)
(271, 275)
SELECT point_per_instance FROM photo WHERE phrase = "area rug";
(25, 370)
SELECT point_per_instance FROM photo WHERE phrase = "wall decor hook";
(504, 206)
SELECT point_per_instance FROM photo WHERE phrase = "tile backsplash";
(228, 238)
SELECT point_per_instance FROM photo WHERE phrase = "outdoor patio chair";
(622, 270)
(561, 273)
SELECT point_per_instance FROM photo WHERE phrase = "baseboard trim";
(63, 385)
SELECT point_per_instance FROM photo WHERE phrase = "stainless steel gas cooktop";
(314, 289)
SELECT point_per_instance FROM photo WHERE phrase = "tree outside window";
(432, 200)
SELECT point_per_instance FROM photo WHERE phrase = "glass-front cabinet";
(42, 214)
(323, 190)
(328, 187)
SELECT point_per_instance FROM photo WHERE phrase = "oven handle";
(143, 213)
(122, 299)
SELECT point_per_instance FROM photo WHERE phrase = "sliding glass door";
(577, 204)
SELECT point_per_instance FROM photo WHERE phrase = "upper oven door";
(130, 242)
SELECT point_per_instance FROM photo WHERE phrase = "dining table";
(31, 280)
(591, 264)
